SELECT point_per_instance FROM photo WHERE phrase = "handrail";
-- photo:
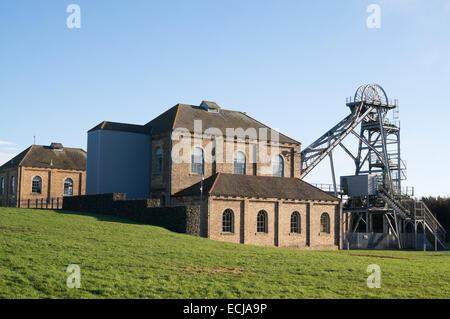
(432, 219)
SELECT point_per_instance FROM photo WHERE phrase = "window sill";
(295, 234)
(227, 234)
(195, 174)
(324, 234)
(261, 234)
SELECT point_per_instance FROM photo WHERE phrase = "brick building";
(42, 173)
(265, 210)
(251, 192)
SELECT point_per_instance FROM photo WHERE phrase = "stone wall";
(181, 219)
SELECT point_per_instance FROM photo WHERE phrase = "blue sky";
(289, 64)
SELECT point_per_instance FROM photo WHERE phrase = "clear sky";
(289, 64)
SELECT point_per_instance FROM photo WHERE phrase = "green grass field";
(122, 259)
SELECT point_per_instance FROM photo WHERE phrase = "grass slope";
(121, 259)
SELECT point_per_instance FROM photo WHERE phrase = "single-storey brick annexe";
(42, 175)
(265, 210)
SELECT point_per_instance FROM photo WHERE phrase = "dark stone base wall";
(181, 219)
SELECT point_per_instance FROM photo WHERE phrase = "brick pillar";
(244, 214)
(308, 224)
(80, 182)
(49, 184)
(244, 209)
(276, 224)
(19, 186)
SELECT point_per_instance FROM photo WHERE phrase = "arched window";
(158, 161)
(2, 186)
(278, 166)
(325, 223)
(197, 161)
(295, 223)
(228, 221)
(261, 222)
(13, 185)
(239, 163)
(36, 185)
(68, 186)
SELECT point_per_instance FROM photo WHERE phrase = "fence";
(41, 203)
(387, 241)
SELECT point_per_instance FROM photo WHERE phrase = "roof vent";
(210, 106)
(56, 146)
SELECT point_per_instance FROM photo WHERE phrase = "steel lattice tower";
(378, 164)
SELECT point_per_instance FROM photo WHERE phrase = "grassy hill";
(122, 259)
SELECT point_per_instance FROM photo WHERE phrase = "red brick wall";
(7, 196)
(279, 221)
(52, 182)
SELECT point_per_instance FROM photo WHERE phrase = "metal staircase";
(410, 209)
(421, 213)
(393, 203)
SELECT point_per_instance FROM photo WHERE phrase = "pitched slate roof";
(165, 121)
(122, 127)
(222, 184)
(49, 157)
(183, 116)
(15, 160)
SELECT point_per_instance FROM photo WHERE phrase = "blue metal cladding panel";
(119, 162)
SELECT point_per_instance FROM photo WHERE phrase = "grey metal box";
(359, 185)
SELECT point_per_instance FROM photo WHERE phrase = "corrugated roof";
(47, 157)
(250, 186)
